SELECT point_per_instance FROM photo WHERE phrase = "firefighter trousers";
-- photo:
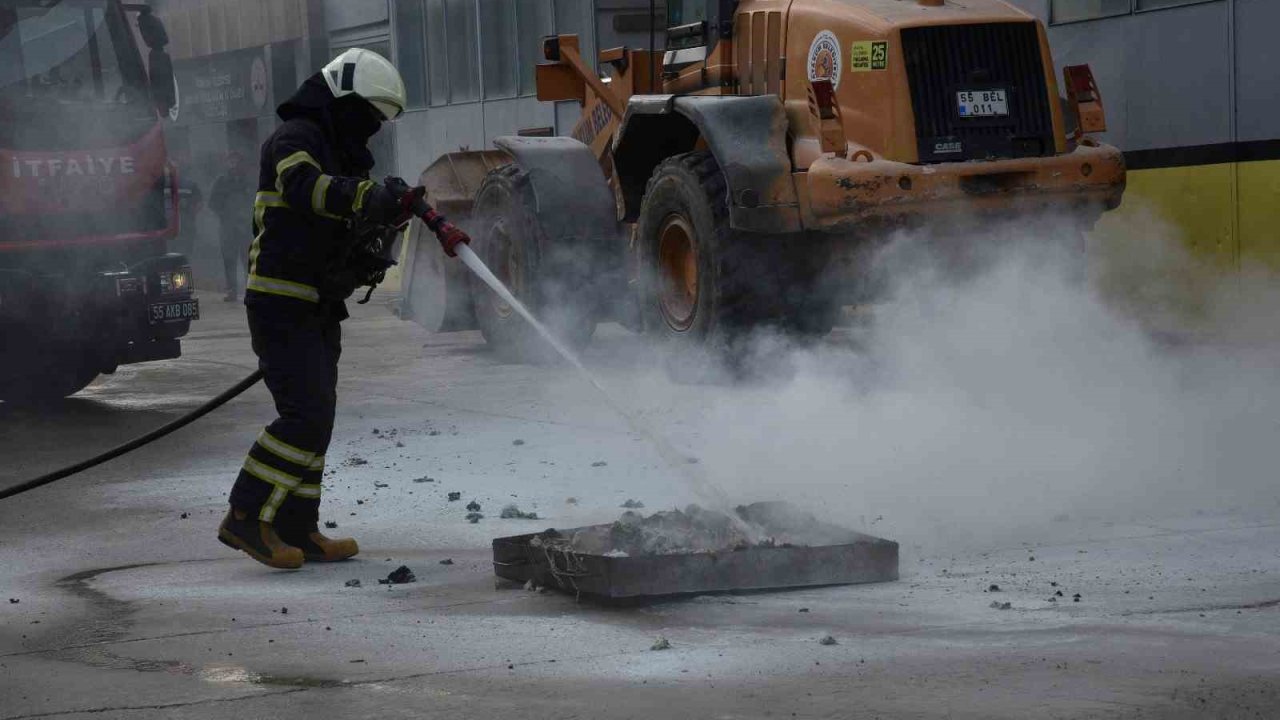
(298, 346)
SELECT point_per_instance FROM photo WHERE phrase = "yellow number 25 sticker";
(868, 55)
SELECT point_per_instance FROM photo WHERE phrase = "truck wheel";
(693, 292)
(510, 239)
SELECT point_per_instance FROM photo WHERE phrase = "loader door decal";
(824, 58)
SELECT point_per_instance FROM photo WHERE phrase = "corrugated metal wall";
(424, 134)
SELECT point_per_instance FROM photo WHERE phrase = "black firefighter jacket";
(307, 190)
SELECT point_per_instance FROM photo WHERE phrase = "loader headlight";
(172, 281)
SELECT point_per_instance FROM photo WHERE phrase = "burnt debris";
(399, 576)
(512, 512)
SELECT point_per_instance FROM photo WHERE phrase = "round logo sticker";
(258, 83)
(824, 58)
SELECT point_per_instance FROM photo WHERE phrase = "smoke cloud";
(987, 398)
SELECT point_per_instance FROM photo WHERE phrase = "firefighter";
(313, 188)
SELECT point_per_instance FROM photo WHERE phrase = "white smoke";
(981, 404)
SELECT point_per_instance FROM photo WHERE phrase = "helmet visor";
(388, 111)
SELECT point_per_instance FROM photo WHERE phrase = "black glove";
(383, 207)
(412, 199)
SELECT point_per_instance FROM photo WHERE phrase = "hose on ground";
(134, 444)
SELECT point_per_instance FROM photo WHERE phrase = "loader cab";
(694, 28)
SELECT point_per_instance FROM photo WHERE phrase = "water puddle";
(238, 675)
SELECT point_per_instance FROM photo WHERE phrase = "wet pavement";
(129, 607)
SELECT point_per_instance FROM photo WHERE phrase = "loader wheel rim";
(505, 267)
(678, 273)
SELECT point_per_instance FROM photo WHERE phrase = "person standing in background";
(231, 200)
(190, 203)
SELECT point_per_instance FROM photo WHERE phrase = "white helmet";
(369, 75)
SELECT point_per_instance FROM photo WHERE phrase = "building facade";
(235, 60)
(469, 67)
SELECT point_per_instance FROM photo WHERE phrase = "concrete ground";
(117, 601)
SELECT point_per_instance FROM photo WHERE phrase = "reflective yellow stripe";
(263, 200)
(318, 195)
(254, 251)
(298, 158)
(361, 190)
(317, 463)
(269, 508)
(267, 198)
(271, 475)
(286, 288)
(307, 491)
(284, 450)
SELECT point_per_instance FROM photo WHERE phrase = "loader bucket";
(434, 292)
(453, 179)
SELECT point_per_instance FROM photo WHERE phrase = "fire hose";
(413, 201)
(137, 442)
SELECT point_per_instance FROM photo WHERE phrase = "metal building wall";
(425, 134)
(1191, 97)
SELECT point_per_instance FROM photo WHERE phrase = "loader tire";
(695, 290)
(510, 239)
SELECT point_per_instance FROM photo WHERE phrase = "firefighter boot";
(259, 540)
(315, 546)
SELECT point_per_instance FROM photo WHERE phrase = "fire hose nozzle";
(449, 235)
(414, 203)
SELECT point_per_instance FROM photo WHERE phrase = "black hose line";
(137, 442)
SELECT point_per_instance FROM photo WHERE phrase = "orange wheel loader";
(740, 176)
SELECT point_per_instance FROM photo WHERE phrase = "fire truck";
(88, 198)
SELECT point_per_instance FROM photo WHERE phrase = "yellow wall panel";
(1259, 187)
(1166, 252)
(1199, 201)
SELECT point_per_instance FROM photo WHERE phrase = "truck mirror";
(151, 28)
(164, 85)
